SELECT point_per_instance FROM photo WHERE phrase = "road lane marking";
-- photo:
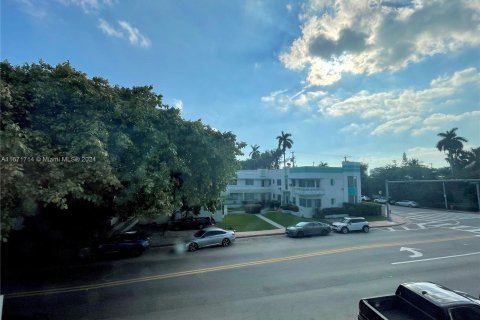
(438, 258)
(414, 252)
(223, 267)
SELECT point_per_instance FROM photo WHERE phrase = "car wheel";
(136, 252)
(411, 206)
(200, 226)
(300, 234)
(324, 232)
(344, 230)
(366, 229)
(226, 242)
(193, 247)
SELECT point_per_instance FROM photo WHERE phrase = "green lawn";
(244, 222)
(285, 219)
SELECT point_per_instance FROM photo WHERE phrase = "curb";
(282, 232)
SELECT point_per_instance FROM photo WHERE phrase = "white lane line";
(438, 258)
(460, 227)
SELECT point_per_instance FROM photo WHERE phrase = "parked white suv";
(351, 224)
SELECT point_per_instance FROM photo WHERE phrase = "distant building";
(306, 187)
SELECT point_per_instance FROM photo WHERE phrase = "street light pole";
(445, 195)
(388, 203)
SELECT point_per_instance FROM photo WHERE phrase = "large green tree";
(255, 153)
(452, 145)
(128, 153)
(284, 142)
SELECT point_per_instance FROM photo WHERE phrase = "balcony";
(249, 189)
(307, 191)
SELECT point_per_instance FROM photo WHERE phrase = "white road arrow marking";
(415, 253)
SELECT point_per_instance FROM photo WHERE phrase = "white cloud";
(397, 125)
(134, 35)
(420, 131)
(440, 118)
(108, 29)
(178, 104)
(32, 8)
(129, 32)
(392, 111)
(406, 104)
(374, 36)
(88, 6)
(355, 128)
(283, 101)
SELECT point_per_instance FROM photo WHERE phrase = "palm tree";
(451, 144)
(323, 164)
(284, 143)
(255, 153)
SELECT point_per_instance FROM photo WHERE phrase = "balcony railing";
(308, 191)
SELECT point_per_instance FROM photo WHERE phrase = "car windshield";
(179, 119)
(301, 224)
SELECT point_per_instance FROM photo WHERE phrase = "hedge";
(290, 207)
(253, 208)
(360, 209)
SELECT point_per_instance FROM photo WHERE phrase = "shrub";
(253, 208)
(360, 209)
(274, 204)
(290, 207)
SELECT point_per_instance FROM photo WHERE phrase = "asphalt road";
(265, 277)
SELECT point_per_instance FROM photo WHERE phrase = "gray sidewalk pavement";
(169, 238)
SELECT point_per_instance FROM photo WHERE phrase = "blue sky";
(367, 79)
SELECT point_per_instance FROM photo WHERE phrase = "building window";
(233, 182)
(249, 196)
(249, 182)
(318, 203)
(352, 181)
(309, 183)
(279, 182)
(332, 201)
(294, 200)
(307, 203)
(332, 182)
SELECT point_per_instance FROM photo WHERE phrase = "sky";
(366, 80)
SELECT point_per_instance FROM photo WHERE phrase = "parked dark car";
(190, 223)
(313, 228)
(129, 243)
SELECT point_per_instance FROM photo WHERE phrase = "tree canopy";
(67, 140)
(284, 142)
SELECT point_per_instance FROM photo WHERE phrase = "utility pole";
(345, 157)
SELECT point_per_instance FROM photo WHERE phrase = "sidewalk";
(172, 237)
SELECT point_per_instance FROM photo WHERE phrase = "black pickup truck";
(421, 301)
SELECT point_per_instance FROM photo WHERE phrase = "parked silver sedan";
(210, 237)
(407, 203)
(313, 228)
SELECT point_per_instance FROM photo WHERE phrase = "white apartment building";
(306, 187)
